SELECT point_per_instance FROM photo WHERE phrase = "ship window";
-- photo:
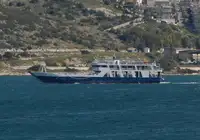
(125, 73)
(113, 74)
(140, 74)
(104, 66)
(95, 66)
(155, 67)
(124, 67)
(130, 67)
(97, 72)
(158, 74)
(111, 66)
(139, 67)
(107, 75)
(148, 68)
(143, 67)
(136, 74)
(116, 67)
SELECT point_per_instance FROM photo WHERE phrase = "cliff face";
(51, 23)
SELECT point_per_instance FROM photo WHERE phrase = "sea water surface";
(31, 110)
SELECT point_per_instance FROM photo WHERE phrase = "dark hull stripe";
(94, 80)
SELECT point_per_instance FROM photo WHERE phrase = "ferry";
(113, 71)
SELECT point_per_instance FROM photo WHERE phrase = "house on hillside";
(132, 50)
(189, 55)
(146, 50)
(161, 50)
(135, 2)
(185, 55)
(170, 51)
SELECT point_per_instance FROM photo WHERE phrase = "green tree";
(185, 42)
(197, 43)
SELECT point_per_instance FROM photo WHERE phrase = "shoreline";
(28, 74)
(15, 74)
(181, 74)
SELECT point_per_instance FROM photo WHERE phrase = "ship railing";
(121, 62)
(128, 69)
(114, 68)
(135, 63)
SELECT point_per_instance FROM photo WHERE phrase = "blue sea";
(31, 110)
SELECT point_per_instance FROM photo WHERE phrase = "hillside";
(50, 23)
(69, 24)
(157, 35)
(65, 23)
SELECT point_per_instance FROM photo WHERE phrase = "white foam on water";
(165, 82)
(187, 83)
(181, 83)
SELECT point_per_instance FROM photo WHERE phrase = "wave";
(101, 112)
(106, 135)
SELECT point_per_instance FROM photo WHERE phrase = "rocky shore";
(9, 73)
(181, 74)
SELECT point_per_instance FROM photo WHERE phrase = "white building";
(150, 3)
(133, 50)
(146, 50)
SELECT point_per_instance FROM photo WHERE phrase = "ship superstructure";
(125, 68)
